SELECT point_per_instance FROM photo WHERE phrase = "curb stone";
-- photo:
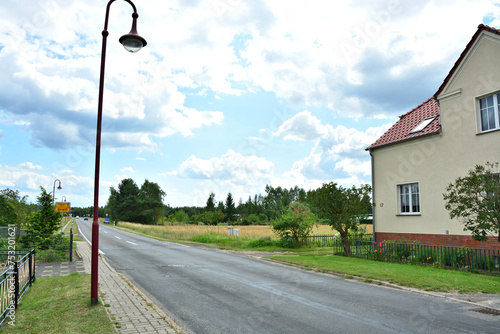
(130, 310)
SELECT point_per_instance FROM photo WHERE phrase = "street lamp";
(132, 42)
(54, 190)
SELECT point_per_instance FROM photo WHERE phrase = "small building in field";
(436, 142)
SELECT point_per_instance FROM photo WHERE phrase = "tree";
(22, 209)
(150, 203)
(475, 200)
(278, 199)
(210, 202)
(123, 202)
(297, 222)
(212, 217)
(341, 207)
(45, 222)
(8, 214)
(180, 216)
(230, 210)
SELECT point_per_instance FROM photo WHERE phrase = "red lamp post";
(132, 42)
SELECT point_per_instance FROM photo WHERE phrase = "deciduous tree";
(341, 207)
(296, 222)
(475, 200)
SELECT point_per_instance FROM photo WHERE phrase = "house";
(436, 142)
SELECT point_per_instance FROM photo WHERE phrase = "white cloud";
(231, 167)
(28, 177)
(319, 53)
(354, 166)
(127, 170)
(30, 166)
(302, 126)
(233, 172)
(336, 149)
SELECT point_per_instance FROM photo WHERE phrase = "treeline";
(144, 205)
(259, 209)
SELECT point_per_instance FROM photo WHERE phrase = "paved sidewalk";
(53, 269)
(134, 311)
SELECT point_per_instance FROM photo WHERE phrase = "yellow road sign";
(63, 206)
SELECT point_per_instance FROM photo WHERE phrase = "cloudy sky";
(228, 95)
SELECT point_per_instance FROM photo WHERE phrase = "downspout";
(373, 195)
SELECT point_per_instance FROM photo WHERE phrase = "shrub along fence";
(15, 280)
(50, 248)
(462, 258)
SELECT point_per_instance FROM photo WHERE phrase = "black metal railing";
(462, 258)
(15, 280)
(321, 240)
(51, 247)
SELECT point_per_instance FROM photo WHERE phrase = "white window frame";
(420, 127)
(410, 197)
(495, 109)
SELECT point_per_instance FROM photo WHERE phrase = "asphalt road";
(211, 291)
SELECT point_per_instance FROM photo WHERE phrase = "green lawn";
(420, 277)
(59, 305)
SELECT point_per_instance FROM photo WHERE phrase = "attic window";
(423, 124)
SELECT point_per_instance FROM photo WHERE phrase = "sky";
(227, 96)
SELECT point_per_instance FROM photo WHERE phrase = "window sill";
(487, 131)
(408, 214)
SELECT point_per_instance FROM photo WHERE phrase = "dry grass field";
(186, 232)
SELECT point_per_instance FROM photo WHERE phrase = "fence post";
(71, 245)
(34, 264)
(30, 261)
(16, 284)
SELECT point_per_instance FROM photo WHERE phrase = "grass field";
(187, 232)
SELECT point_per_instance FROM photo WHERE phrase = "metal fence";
(16, 279)
(321, 240)
(462, 258)
(50, 246)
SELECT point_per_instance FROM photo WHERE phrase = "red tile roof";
(407, 122)
(401, 130)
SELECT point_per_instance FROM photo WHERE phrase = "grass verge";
(420, 277)
(58, 305)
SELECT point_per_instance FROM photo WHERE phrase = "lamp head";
(132, 42)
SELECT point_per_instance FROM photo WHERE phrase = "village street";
(211, 291)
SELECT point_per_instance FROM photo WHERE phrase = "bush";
(296, 223)
(261, 242)
(51, 255)
(58, 242)
(251, 219)
(218, 239)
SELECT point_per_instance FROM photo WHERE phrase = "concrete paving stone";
(127, 306)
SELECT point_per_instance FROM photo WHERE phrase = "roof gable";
(480, 30)
(402, 130)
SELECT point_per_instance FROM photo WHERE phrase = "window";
(489, 112)
(423, 124)
(409, 198)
